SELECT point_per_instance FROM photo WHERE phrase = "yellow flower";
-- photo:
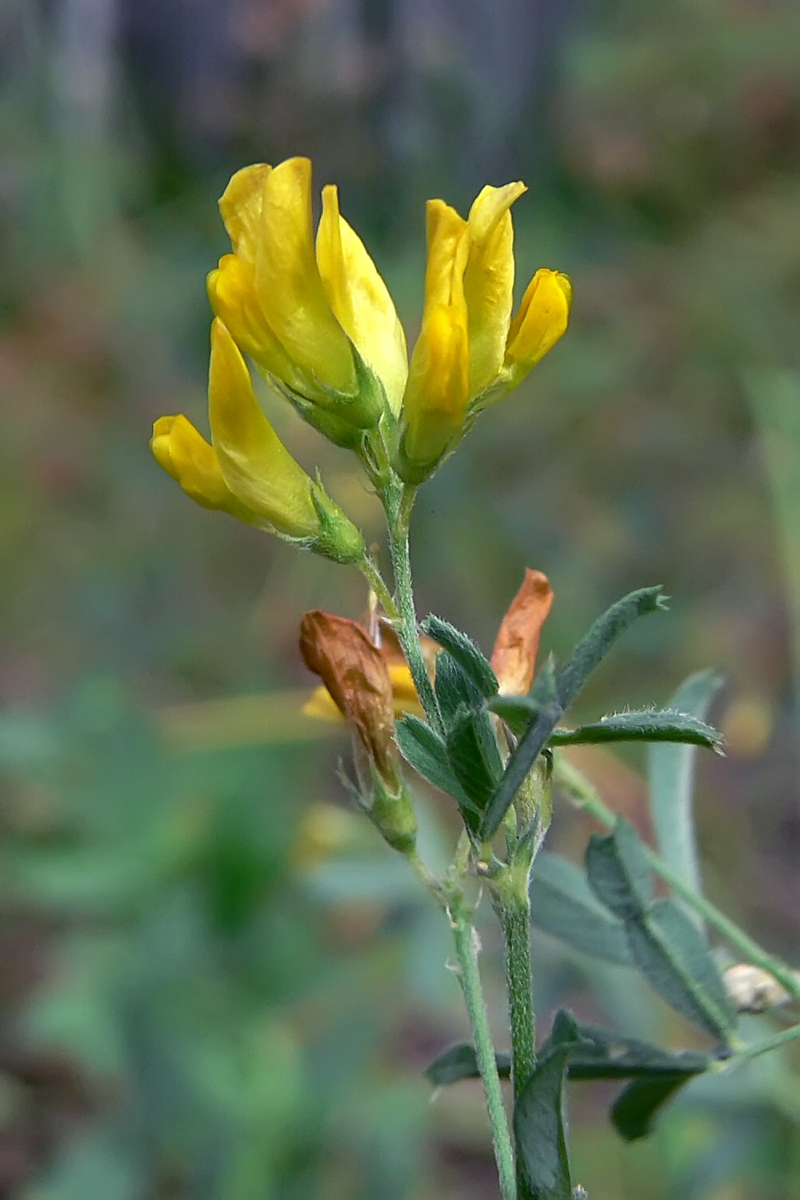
(317, 319)
(247, 471)
(437, 393)
(469, 351)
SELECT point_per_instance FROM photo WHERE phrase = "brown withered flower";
(517, 642)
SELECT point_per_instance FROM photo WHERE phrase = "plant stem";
(375, 580)
(515, 921)
(770, 1043)
(398, 503)
(575, 783)
(469, 977)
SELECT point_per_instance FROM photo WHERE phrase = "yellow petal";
(438, 388)
(489, 281)
(404, 692)
(234, 299)
(289, 284)
(255, 464)
(185, 454)
(360, 299)
(240, 206)
(447, 255)
(320, 704)
(542, 319)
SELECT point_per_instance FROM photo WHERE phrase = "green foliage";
(648, 725)
(663, 942)
(592, 648)
(539, 1122)
(563, 904)
(670, 770)
(464, 652)
(426, 752)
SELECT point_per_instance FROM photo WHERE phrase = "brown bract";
(517, 643)
(357, 677)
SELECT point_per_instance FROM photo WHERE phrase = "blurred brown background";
(216, 985)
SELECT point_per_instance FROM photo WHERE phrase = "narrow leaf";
(539, 1124)
(663, 942)
(605, 1054)
(426, 752)
(596, 1053)
(591, 650)
(646, 725)
(533, 742)
(635, 1110)
(474, 664)
(516, 711)
(618, 872)
(454, 688)
(670, 770)
(671, 952)
(563, 905)
(474, 757)
(460, 1062)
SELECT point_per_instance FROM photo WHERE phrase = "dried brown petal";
(517, 644)
(357, 677)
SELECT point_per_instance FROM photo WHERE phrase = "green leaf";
(516, 711)
(670, 770)
(548, 713)
(563, 905)
(553, 693)
(539, 1125)
(664, 943)
(635, 1110)
(646, 725)
(591, 650)
(606, 1054)
(426, 752)
(454, 688)
(460, 1062)
(597, 1054)
(672, 954)
(474, 665)
(475, 758)
(618, 872)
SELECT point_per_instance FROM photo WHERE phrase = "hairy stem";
(398, 503)
(576, 785)
(469, 977)
(515, 922)
(375, 580)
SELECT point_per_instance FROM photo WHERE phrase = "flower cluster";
(317, 320)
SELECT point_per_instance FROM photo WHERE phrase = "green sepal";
(392, 813)
(338, 539)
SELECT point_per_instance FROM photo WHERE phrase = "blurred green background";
(216, 983)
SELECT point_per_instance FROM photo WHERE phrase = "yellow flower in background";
(247, 471)
(469, 351)
(318, 319)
